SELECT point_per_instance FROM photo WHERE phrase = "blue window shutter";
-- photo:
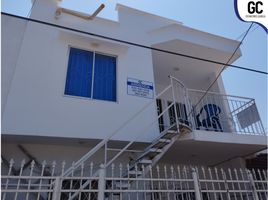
(104, 78)
(79, 74)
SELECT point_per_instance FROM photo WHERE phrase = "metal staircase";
(181, 124)
(157, 149)
(151, 155)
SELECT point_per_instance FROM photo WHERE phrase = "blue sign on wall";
(140, 88)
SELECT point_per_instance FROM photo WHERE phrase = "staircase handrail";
(104, 141)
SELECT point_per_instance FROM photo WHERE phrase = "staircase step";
(151, 152)
(155, 150)
(145, 161)
(134, 173)
(164, 140)
(122, 185)
(140, 163)
(161, 143)
(169, 134)
(185, 129)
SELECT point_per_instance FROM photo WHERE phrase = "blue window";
(91, 75)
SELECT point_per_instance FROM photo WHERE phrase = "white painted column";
(101, 184)
(196, 185)
(57, 189)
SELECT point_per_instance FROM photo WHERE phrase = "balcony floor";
(212, 148)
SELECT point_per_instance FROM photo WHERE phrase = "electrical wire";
(252, 30)
(134, 44)
(222, 69)
(157, 49)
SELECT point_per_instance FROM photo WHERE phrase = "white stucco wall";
(37, 104)
(33, 83)
(12, 31)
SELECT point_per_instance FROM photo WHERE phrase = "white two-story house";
(131, 91)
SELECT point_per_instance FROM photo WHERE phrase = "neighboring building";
(64, 93)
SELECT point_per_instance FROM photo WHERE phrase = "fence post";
(57, 189)
(196, 185)
(101, 184)
(251, 180)
(226, 184)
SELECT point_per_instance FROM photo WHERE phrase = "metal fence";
(46, 181)
(225, 113)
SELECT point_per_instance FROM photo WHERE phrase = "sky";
(213, 16)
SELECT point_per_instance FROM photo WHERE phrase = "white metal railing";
(104, 142)
(160, 182)
(82, 178)
(175, 89)
(210, 112)
(225, 113)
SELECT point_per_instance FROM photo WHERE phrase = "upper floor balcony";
(222, 127)
(225, 113)
(203, 111)
(207, 111)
